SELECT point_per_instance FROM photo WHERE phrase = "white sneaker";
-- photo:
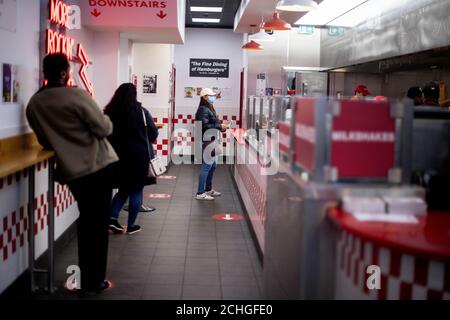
(204, 197)
(213, 193)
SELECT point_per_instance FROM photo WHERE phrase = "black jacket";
(208, 119)
(133, 143)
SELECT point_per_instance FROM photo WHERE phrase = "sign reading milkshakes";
(209, 68)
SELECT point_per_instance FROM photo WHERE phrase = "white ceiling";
(251, 11)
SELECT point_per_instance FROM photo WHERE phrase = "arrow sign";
(96, 13)
(161, 14)
(84, 60)
(227, 217)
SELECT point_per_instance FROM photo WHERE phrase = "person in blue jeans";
(133, 135)
(206, 114)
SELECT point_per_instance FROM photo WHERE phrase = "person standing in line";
(416, 94)
(132, 138)
(69, 122)
(206, 114)
(431, 94)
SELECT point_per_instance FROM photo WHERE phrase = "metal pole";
(51, 226)
(31, 187)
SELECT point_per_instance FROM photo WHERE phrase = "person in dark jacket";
(206, 114)
(431, 94)
(416, 94)
(133, 136)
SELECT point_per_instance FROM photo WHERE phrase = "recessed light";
(206, 9)
(206, 20)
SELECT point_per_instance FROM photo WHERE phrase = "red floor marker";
(167, 177)
(158, 196)
(227, 217)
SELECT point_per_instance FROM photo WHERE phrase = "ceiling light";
(252, 45)
(329, 10)
(276, 23)
(206, 9)
(362, 13)
(262, 36)
(297, 5)
(206, 20)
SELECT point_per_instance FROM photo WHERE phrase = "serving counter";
(322, 151)
(414, 258)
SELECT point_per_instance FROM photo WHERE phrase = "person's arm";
(152, 130)
(37, 130)
(98, 123)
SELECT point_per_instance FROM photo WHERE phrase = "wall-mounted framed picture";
(150, 84)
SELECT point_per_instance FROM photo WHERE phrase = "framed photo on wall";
(149, 84)
(11, 84)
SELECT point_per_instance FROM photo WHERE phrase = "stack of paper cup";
(363, 204)
(406, 205)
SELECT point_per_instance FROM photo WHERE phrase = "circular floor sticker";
(227, 217)
(167, 177)
(157, 196)
(279, 179)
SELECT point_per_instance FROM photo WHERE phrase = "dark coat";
(208, 119)
(133, 143)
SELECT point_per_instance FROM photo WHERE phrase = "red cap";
(362, 89)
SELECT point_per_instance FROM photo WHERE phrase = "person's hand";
(160, 125)
(225, 127)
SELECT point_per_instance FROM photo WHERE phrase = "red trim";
(428, 238)
(241, 102)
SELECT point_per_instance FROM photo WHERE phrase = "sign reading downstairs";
(209, 68)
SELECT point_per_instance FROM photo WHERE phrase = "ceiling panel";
(227, 16)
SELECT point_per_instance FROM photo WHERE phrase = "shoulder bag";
(156, 166)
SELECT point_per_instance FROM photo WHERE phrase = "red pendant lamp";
(252, 45)
(276, 23)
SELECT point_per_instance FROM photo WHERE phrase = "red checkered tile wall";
(161, 146)
(14, 226)
(186, 138)
(190, 119)
(403, 277)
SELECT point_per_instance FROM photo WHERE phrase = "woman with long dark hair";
(133, 135)
(207, 115)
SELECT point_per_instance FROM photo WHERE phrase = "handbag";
(156, 167)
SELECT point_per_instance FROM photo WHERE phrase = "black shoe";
(105, 285)
(115, 226)
(133, 229)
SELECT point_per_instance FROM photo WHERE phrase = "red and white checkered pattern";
(14, 226)
(403, 276)
(183, 136)
(161, 147)
(63, 199)
(190, 118)
(255, 192)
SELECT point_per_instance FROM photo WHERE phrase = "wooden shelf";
(19, 153)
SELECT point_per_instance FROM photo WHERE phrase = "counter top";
(430, 237)
(22, 159)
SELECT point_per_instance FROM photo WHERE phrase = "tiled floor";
(182, 253)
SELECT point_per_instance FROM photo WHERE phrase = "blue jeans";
(134, 206)
(206, 177)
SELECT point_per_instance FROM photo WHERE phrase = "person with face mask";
(207, 116)
(68, 121)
